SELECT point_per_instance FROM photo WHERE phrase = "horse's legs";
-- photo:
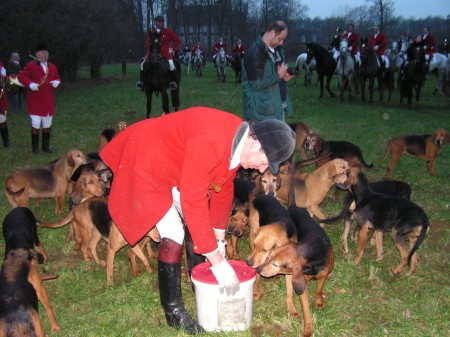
(175, 96)
(328, 86)
(321, 85)
(149, 94)
(371, 85)
(165, 101)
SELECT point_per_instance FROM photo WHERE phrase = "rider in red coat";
(198, 46)
(216, 49)
(3, 106)
(353, 40)
(239, 48)
(41, 78)
(379, 41)
(179, 168)
(429, 44)
(169, 45)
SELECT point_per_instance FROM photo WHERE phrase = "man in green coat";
(263, 70)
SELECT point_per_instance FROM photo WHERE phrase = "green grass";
(363, 300)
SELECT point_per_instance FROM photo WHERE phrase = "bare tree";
(383, 10)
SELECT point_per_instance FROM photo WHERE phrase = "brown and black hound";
(108, 134)
(310, 258)
(20, 231)
(394, 188)
(21, 286)
(426, 147)
(240, 211)
(301, 132)
(336, 149)
(49, 182)
(383, 213)
(21, 283)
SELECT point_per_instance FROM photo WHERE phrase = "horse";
(325, 64)
(346, 71)
(198, 63)
(371, 69)
(187, 62)
(397, 57)
(221, 65)
(157, 78)
(437, 68)
(236, 63)
(300, 64)
(413, 75)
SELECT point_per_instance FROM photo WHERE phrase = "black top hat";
(277, 140)
(40, 47)
(159, 18)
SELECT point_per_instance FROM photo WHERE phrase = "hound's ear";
(77, 193)
(298, 279)
(70, 160)
(331, 170)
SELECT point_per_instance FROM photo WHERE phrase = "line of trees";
(92, 33)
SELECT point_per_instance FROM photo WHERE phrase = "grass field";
(363, 300)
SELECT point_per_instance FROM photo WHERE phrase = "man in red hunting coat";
(3, 106)
(179, 167)
(198, 46)
(239, 48)
(216, 49)
(379, 41)
(429, 44)
(41, 78)
(353, 40)
(169, 44)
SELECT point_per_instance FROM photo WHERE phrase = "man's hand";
(55, 83)
(282, 70)
(226, 276)
(33, 86)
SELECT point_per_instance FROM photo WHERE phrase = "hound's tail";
(344, 211)
(421, 237)
(58, 224)
(388, 149)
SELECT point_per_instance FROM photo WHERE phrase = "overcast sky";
(406, 8)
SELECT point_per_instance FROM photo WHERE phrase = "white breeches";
(171, 225)
(36, 121)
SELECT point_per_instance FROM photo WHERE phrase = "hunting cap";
(277, 140)
(159, 18)
(40, 47)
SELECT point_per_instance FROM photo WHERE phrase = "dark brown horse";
(412, 75)
(325, 64)
(236, 64)
(370, 70)
(157, 78)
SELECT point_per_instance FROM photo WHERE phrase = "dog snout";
(249, 263)
(237, 233)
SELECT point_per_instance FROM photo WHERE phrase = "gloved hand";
(33, 86)
(425, 47)
(225, 275)
(55, 83)
(221, 243)
(350, 48)
(375, 48)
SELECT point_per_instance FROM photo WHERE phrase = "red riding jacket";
(353, 41)
(190, 149)
(380, 40)
(41, 102)
(168, 38)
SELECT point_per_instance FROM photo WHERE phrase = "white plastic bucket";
(219, 312)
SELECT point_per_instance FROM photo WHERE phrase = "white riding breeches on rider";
(386, 60)
(171, 65)
(171, 225)
(336, 54)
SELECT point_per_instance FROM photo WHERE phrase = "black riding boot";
(140, 83)
(35, 140)
(46, 140)
(5, 135)
(192, 258)
(169, 279)
(173, 80)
